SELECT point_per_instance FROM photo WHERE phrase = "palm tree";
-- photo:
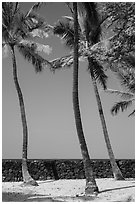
(90, 26)
(17, 32)
(91, 187)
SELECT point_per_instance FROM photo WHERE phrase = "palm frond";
(127, 79)
(34, 7)
(14, 25)
(62, 62)
(31, 26)
(66, 31)
(69, 18)
(17, 8)
(6, 17)
(125, 95)
(65, 61)
(7, 12)
(5, 33)
(132, 113)
(38, 26)
(122, 105)
(30, 53)
(35, 22)
(69, 6)
(98, 71)
(89, 21)
(20, 27)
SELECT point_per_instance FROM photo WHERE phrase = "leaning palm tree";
(17, 32)
(91, 186)
(90, 26)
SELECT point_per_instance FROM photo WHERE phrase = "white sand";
(69, 191)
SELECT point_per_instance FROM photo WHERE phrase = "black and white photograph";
(68, 101)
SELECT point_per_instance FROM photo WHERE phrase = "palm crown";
(125, 73)
(65, 29)
(18, 30)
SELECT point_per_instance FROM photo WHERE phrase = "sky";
(49, 108)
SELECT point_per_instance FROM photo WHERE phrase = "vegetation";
(91, 186)
(127, 79)
(121, 55)
(18, 30)
(88, 18)
(84, 35)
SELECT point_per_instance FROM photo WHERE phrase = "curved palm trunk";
(91, 186)
(116, 171)
(26, 176)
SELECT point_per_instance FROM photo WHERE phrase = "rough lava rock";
(63, 169)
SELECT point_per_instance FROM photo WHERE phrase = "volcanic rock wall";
(63, 169)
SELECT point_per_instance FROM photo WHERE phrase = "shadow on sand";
(114, 189)
(20, 197)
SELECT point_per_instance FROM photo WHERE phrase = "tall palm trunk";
(26, 176)
(116, 171)
(91, 186)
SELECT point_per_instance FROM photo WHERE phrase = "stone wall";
(63, 169)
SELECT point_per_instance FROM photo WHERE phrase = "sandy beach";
(69, 191)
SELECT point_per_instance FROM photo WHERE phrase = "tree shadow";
(42, 198)
(128, 199)
(114, 189)
(20, 197)
(47, 181)
(41, 182)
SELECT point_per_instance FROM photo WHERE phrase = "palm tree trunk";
(116, 171)
(54, 170)
(26, 176)
(91, 186)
